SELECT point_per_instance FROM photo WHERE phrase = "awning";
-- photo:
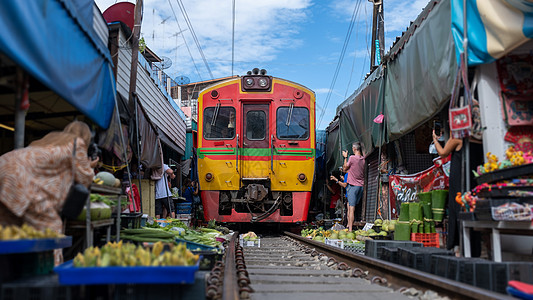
(495, 28)
(54, 41)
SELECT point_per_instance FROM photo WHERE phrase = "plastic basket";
(373, 248)
(196, 246)
(256, 243)
(390, 254)
(427, 239)
(355, 248)
(511, 210)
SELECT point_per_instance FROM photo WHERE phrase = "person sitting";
(35, 180)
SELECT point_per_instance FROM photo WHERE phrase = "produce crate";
(130, 220)
(195, 246)
(483, 210)
(373, 248)
(428, 239)
(183, 208)
(34, 245)
(357, 248)
(70, 275)
(208, 258)
(334, 243)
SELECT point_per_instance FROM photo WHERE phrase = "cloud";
(262, 30)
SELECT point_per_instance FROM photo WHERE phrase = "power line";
(195, 38)
(233, 40)
(185, 41)
(341, 58)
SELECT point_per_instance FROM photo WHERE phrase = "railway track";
(293, 267)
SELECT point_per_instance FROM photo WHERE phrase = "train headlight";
(249, 81)
(263, 82)
(302, 177)
(209, 177)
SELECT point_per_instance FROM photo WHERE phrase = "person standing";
(355, 168)
(163, 193)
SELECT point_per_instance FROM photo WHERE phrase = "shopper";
(191, 190)
(335, 191)
(163, 195)
(34, 181)
(455, 147)
(355, 167)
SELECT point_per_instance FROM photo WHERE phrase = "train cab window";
(255, 125)
(292, 123)
(219, 125)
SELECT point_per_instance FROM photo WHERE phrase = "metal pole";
(20, 114)
(466, 143)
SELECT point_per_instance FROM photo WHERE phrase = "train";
(256, 149)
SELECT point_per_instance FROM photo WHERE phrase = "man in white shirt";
(163, 194)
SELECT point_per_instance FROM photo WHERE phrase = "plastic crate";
(22, 265)
(70, 275)
(373, 248)
(196, 246)
(256, 243)
(357, 248)
(43, 287)
(208, 259)
(419, 258)
(183, 208)
(334, 243)
(427, 239)
(483, 210)
(389, 254)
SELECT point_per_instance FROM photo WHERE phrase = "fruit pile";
(129, 255)
(26, 232)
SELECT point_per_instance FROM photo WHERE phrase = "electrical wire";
(195, 38)
(354, 57)
(341, 58)
(185, 41)
(233, 40)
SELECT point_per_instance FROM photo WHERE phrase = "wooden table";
(497, 228)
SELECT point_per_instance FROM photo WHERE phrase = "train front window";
(292, 123)
(219, 125)
(255, 125)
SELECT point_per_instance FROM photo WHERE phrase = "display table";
(93, 224)
(497, 228)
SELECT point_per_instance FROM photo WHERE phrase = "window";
(220, 126)
(292, 124)
(255, 125)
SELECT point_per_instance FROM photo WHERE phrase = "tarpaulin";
(494, 27)
(55, 42)
(414, 86)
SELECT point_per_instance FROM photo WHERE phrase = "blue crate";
(183, 208)
(70, 275)
(196, 246)
(34, 245)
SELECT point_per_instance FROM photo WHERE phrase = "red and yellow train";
(256, 149)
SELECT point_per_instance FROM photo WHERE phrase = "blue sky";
(298, 40)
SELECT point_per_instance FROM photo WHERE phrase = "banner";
(405, 188)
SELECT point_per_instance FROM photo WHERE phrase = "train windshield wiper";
(215, 115)
(289, 115)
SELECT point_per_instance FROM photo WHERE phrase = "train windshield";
(219, 123)
(292, 123)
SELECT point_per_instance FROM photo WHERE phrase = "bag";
(77, 195)
(460, 112)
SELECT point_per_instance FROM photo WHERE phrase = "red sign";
(405, 188)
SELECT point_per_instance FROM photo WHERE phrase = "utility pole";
(378, 35)
(135, 50)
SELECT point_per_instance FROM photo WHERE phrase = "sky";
(298, 40)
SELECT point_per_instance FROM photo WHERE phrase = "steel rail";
(230, 289)
(398, 276)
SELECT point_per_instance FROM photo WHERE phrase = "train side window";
(255, 125)
(292, 125)
(221, 126)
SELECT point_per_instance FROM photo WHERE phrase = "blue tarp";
(54, 41)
